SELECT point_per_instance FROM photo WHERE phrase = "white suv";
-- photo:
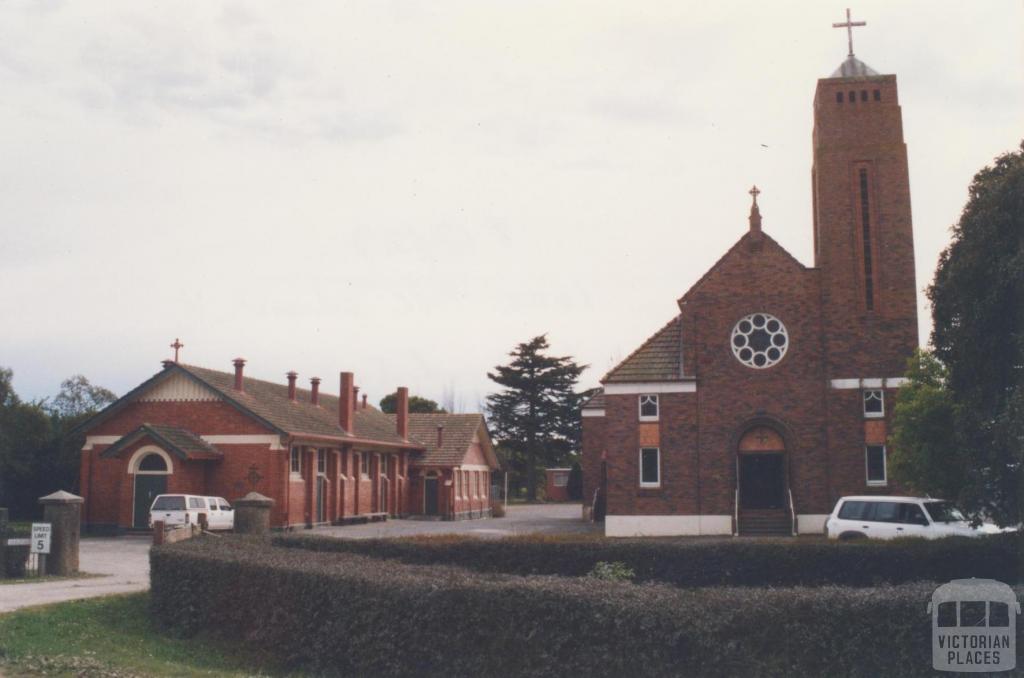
(879, 517)
(184, 509)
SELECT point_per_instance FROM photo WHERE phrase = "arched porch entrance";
(762, 487)
(150, 467)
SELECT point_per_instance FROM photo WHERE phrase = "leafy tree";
(38, 451)
(77, 397)
(536, 415)
(925, 449)
(416, 404)
(978, 312)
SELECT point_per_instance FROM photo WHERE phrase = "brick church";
(322, 458)
(769, 394)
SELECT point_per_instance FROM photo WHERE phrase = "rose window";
(759, 340)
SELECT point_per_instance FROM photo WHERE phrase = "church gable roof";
(268, 404)
(456, 437)
(660, 358)
(752, 241)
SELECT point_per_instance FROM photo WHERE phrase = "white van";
(881, 517)
(184, 509)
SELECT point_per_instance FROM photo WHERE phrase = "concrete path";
(124, 561)
(521, 519)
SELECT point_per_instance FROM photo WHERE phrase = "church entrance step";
(765, 523)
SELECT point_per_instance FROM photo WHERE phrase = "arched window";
(153, 462)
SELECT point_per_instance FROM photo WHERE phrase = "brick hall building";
(322, 458)
(768, 395)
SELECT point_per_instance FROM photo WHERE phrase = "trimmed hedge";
(693, 563)
(344, 614)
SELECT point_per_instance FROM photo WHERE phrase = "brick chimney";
(314, 396)
(346, 402)
(292, 376)
(355, 397)
(239, 368)
(364, 401)
(440, 436)
(402, 412)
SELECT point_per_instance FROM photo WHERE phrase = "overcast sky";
(408, 189)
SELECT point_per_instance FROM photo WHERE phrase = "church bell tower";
(863, 237)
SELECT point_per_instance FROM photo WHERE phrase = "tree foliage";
(536, 415)
(978, 312)
(416, 404)
(39, 450)
(925, 450)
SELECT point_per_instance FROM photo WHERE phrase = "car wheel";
(850, 536)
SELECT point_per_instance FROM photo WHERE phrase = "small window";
(911, 514)
(174, 502)
(321, 461)
(839, 97)
(648, 408)
(224, 506)
(852, 510)
(863, 95)
(650, 467)
(972, 613)
(998, 614)
(364, 465)
(885, 512)
(878, 95)
(296, 461)
(874, 403)
(875, 464)
(946, 615)
(196, 503)
(853, 97)
(561, 479)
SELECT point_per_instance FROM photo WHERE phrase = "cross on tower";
(755, 191)
(849, 25)
(176, 346)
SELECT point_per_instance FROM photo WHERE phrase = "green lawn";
(110, 637)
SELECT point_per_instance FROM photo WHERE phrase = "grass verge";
(111, 637)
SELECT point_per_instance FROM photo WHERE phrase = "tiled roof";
(595, 402)
(179, 442)
(459, 430)
(269, 401)
(658, 359)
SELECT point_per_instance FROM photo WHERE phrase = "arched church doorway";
(761, 470)
(150, 469)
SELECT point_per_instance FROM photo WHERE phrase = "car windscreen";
(169, 504)
(943, 512)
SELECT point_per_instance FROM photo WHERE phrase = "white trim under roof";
(593, 412)
(232, 439)
(646, 387)
(876, 382)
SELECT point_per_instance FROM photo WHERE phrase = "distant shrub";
(612, 572)
(723, 562)
(344, 614)
(497, 509)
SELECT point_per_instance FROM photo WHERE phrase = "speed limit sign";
(40, 538)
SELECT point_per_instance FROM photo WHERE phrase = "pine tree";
(536, 416)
